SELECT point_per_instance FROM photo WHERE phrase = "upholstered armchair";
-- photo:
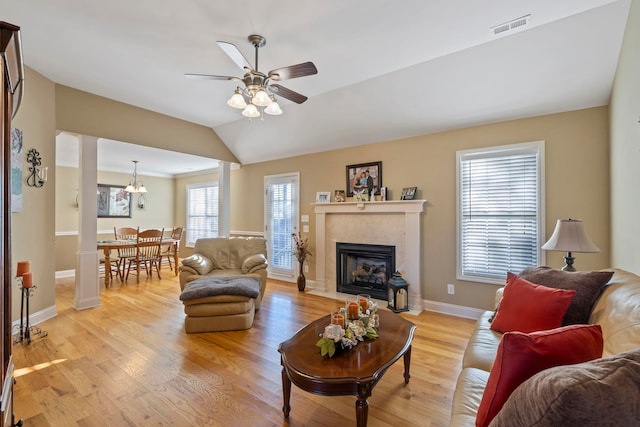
(227, 257)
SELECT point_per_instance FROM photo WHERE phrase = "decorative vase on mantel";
(302, 281)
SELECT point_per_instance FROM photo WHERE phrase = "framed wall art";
(114, 202)
(364, 176)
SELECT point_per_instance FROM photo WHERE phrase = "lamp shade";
(570, 236)
(251, 111)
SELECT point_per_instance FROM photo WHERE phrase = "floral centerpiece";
(301, 252)
(347, 328)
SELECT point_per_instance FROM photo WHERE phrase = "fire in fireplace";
(364, 268)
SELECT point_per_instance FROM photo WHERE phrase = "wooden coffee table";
(351, 372)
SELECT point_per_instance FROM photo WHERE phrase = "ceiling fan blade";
(211, 77)
(293, 71)
(288, 94)
(236, 56)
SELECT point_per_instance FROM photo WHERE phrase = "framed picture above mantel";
(364, 176)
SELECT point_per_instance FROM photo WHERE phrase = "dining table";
(108, 245)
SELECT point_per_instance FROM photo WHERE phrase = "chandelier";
(135, 186)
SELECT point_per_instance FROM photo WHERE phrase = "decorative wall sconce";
(38, 174)
(141, 201)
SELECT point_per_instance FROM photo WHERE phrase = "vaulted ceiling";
(386, 69)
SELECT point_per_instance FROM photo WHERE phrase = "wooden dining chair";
(125, 254)
(113, 267)
(170, 251)
(147, 253)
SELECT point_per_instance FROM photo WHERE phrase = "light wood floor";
(130, 363)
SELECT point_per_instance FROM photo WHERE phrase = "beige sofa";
(224, 257)
(617, 311)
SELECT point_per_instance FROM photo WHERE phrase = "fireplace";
(364, 268)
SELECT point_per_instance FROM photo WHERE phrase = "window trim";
(534, 147)
(190, 187)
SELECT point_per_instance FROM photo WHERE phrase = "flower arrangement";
(345, 332)
(300, 247)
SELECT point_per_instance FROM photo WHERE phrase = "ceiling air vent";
(512, 26)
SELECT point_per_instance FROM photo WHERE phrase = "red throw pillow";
(527, 307)
(521, 356)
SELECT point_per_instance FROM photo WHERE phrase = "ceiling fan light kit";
(257, 91)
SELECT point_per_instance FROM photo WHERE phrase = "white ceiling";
(386, 69)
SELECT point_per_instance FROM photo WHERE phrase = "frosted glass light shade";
(273, 109)
(251, 111)
(261, 99)
(237, 101)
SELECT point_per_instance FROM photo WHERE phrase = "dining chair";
(125, 255)
(170, 251)
(114, 266)
(147, 253)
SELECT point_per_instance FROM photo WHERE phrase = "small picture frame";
(340, 196)
(383, 194)
(408, 193)
(323, 197)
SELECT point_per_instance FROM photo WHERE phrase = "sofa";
(223, 261)
(602, 391)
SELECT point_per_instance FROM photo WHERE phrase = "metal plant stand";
(26, 331)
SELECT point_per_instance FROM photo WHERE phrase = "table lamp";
(569, 236)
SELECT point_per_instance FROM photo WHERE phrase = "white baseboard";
(453, 310)
(36, 318)
(65, 273)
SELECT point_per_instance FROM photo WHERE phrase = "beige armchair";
(224, 258)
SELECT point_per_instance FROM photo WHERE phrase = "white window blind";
(499, 211)
(202, 212)
(281, 216)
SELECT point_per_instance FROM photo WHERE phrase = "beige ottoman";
(214, 304)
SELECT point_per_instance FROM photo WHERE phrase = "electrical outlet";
(306, 268)
(451, 289)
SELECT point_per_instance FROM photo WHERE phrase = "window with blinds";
(281, 219)
(202, 212)
(500, 211)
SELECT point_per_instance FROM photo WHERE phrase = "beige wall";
(159, 210)
(87, 114)
(625, 150)
(33, 229)
(577, 186)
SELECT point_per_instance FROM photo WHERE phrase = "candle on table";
(23, 267)
(364, 303)
(27, 280)
(337, 319)
(352, 310)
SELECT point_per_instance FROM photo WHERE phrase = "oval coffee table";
(350, 372)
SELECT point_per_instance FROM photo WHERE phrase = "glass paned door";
(281, 219)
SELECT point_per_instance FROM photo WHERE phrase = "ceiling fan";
(257, 90)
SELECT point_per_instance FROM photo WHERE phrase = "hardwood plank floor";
(129, 362)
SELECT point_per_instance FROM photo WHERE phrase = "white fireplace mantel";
(394, 221)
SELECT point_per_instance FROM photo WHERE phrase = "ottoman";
(214, 304)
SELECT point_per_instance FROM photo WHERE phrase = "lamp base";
(568, 263)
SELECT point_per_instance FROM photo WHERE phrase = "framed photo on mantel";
(364, 176)
(408, 193)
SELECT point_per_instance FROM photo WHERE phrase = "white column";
(413, 256)
(87, 293)
(224, 199)
(320, 282)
